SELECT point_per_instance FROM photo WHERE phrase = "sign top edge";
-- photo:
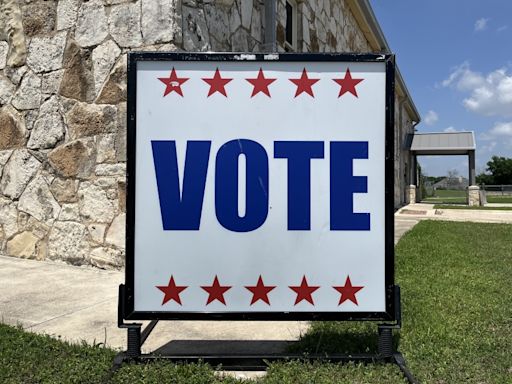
(134, 56)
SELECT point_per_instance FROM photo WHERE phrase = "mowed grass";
(457, 325)
(448, 196)
(499, 199)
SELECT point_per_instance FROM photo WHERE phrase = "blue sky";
(456, 59)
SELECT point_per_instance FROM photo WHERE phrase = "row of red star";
(259, 291)
(261, 83)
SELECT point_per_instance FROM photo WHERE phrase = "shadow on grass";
(340, 338)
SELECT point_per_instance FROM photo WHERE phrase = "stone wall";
(62, 109)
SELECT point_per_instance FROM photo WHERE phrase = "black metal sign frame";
(128, 299)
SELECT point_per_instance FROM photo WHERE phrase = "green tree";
(499, 171)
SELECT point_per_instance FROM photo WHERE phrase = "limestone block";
(22, 166)
(111, 169)
(305, 30)
(64, 190)
(106, 148)
(39, 17)
(4, 156)
(411, 194)
(22, 245)
(91, 27)
(124, 24)
(51, 83)
(246, 12)
(217, 20)
(473, 195)
(69, 212)
(94, 203)
(97, 232)
(225, 3)
(45, 53)
(114, 90)
(195, 31)
(120, 144)
(4, 49)
(103, 58)
(67, 11)
(256, 26)
(159, 22)
(67, 241)
(13, 131)
(38, 201)
(116, 232)
(8, 216)
(74, 159)
(121, 195)
(106, 258)
(91, 119)
(78, 80)
(49, 128)
(235, 21)
(15, 75)
(7, 90)
(240, 40)
(28, 95)
(106, 182)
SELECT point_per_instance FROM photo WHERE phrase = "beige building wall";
(63, 105)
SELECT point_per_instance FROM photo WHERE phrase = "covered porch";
(442, 144)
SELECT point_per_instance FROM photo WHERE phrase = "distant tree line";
(498, 172)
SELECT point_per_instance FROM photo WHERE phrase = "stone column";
(473, 189)
(473, 195)
(411, 194)
(411, 188)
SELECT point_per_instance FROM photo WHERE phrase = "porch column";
(473, 189)
(472, 177)
(411, 188)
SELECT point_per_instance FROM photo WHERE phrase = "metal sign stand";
(136, 336)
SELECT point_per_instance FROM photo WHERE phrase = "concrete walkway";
(422, 211)
(80, 303)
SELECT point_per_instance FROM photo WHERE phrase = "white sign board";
(257, 187)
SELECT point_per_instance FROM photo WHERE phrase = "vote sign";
(260, 186)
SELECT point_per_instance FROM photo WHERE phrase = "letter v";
(181, 211)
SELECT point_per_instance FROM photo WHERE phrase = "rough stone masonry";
(62, 105)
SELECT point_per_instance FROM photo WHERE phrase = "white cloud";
(490, 95)
(502, 28)
(488, 147)
(450, 129)
(502, 129)
(431, 118)
(481, 24)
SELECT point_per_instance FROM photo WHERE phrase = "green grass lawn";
(499, 199)
(457, 325)
(445, 206)
(447, 196)
(450, 193)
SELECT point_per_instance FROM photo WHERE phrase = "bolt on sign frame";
(260, 187)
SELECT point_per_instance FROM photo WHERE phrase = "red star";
(217, 84)
(173, 83)
(260, 291)
(171, 291)
(260, 84)
(348, 84)
(304, 84)
(216, 291)
(348, 292)
(304, 291)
